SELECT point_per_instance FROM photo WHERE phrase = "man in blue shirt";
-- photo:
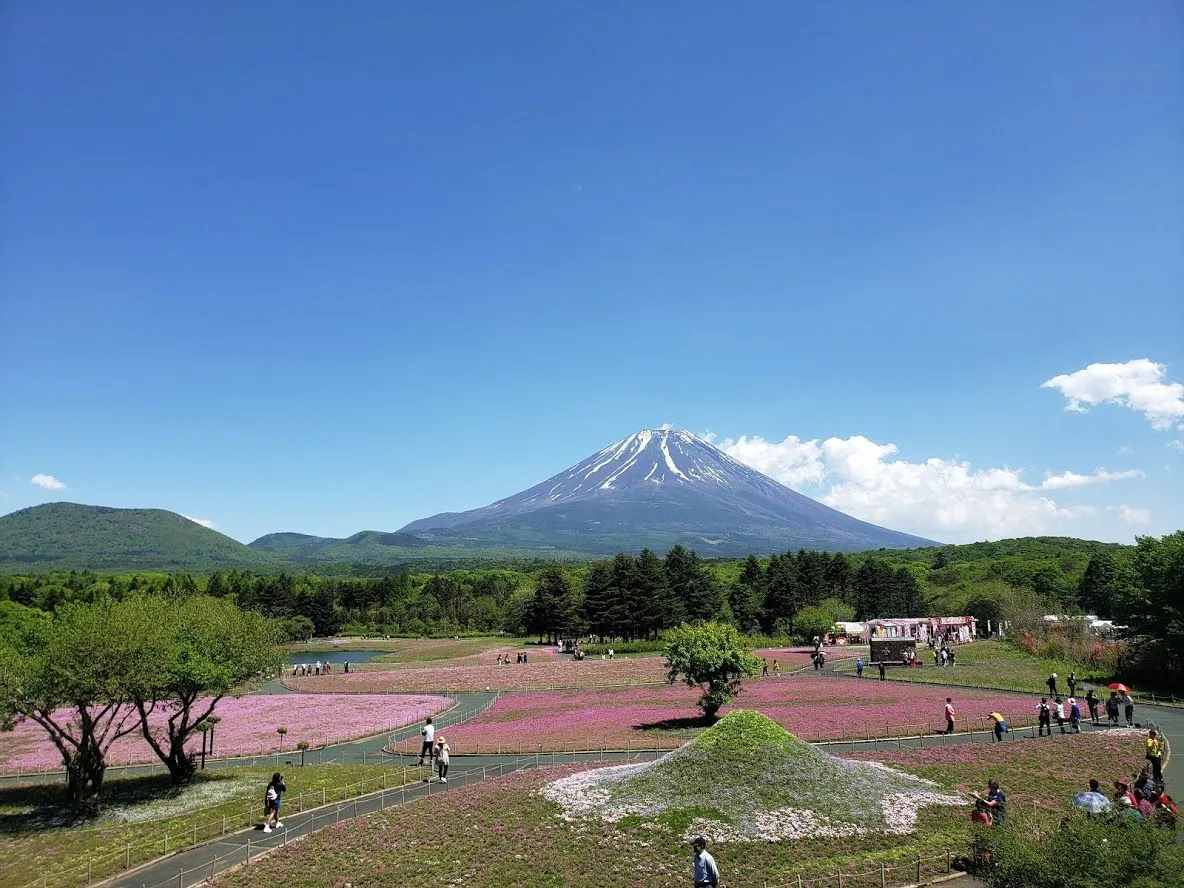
(706, 873)
(995, 803)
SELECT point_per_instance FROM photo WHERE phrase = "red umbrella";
(1120, 687)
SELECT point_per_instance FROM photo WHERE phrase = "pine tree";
(556, 612)
(839, 579)
(693, 585)
(602, 607)
(782, 593)
(746, 597)
(654, 606)
(909, 600)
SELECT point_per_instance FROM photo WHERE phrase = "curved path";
(194, 865)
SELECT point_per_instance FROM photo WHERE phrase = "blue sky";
(304, 266)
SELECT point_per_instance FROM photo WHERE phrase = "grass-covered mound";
(747, 778)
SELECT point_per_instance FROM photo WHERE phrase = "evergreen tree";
(603, 608)
(782, 594)
(908, 600)
(623, 595)
(874, 590)
(556, 611)
(654, 606)
(812, 575)
(693, 585)
(746, 597)
(839, 577)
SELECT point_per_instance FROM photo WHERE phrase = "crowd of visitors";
(317, 668)
(522, 657)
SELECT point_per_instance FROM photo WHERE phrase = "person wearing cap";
(442, 758)
(703, 869)
(1123, 794)
(995, 802)
(1074, 716)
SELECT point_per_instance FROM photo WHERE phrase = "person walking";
(1074, 716)
(1043, 718)
(764, 668)
(428, 746)
(1072, 680)
(1112, 710)
(1091, 700)
(1052, 685)
(949, 715)
(1155, 755)
(704, 872)
(953, 659)
(272, 798)
(442, 759)
(859, 667)
(1060, 711)
(1128, 707)
(883, 677)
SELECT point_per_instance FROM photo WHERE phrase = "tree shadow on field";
(42, 806)
(692, 723)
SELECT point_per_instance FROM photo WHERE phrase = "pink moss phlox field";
(248, 726)
(814, 708)
(564, 673)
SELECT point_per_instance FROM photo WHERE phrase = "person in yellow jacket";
(1155, 755)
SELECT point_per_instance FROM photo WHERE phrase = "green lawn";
(992, 664)
(146, 814)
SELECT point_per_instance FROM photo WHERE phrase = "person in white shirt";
(442, 750)
(1060, 711)
(428, 746)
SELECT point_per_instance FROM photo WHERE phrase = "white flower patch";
(901, 809)
(588, 792)
(773, 826)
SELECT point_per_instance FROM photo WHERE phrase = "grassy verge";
(995, 664)
(144, 818)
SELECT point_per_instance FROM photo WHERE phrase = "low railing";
(886, 875)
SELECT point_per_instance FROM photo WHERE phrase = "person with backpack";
(1044, 718)
(1091, 700)
(272, 798)
(1112, 710)
(442, 759)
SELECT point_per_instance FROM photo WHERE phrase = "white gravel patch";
(192, 798)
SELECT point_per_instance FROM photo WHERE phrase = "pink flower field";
(565, 673)
(248, 727)
(812, 708)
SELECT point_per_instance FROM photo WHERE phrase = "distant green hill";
(366, 547)
(69, 535)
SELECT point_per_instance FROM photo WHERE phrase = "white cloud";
(1136, 384)
(1177, 445)
(49, 482)
(1072, 479)
(1131, 515)
(1126, 450)
(946, 500)
(204, 522)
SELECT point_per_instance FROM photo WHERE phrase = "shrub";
(1027, 853)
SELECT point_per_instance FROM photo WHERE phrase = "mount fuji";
(656, 488)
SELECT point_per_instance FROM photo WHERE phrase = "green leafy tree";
(812, 621)
(1156, 611)
(713, 656)
(70, 676)
(1106, 584)
(199, 649)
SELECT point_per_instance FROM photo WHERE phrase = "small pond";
(336, 657)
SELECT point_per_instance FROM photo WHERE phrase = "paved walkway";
(191, 866)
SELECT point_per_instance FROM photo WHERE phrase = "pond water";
(337, 657)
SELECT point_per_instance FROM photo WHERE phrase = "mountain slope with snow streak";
(656, 488)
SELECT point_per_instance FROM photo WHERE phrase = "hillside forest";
(639, 596)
